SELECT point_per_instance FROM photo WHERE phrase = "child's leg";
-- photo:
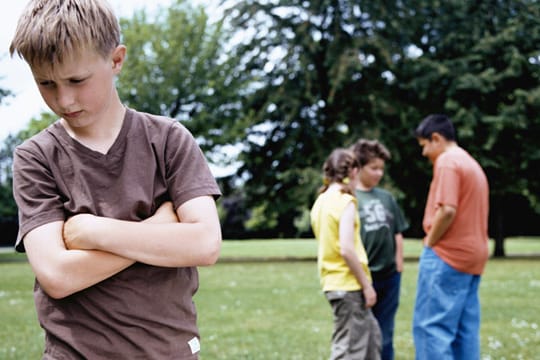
(385, 311)
(440, 300)
(356, 332)
(467, 344)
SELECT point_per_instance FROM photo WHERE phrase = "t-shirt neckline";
(117, 143)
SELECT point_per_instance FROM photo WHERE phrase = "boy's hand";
(370, 296)
(399, 263)
(164, 214)
(77, 230)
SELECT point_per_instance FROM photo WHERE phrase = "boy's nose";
(64, 97)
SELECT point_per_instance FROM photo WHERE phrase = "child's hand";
(399, 263)
(77, 230)
(370, 296)
(164, 215)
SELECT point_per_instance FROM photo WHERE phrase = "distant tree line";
(282, 83)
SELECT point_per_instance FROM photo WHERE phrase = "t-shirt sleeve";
(35, 192)
(446, 191)
(401, 223)
(187, 172)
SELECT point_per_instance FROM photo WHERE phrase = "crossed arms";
(70, 256)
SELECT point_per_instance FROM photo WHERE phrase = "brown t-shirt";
(143, 312)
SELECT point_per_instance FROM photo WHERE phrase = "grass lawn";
(275, 310)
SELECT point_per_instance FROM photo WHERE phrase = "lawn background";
(262, 301)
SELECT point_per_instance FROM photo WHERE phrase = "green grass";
(307, 248)
(275, 310)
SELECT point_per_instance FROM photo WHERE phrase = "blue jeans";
(385, 311)
(446, 322)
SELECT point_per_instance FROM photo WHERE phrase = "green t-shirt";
(380, 219)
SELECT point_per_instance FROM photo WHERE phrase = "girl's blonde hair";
(49, 31)
(337, 167)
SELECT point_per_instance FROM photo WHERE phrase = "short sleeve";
(187, 172)
(401, 223)
(35, 191)
(446, 181)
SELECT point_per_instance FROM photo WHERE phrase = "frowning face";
(80, 90)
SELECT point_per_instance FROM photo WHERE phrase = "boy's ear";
(437, 137)
(118, 57)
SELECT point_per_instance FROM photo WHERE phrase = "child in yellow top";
(342, 261)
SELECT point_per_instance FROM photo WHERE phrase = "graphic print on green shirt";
(380, 219)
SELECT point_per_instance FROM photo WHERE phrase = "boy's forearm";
(170, 245)
(399, 251)
(78, 231)
(62, 272)
(162, 241)
(357, 269)
(444, 216)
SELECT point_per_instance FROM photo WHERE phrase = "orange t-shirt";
(459, 181)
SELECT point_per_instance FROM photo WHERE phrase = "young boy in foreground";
(115, 265)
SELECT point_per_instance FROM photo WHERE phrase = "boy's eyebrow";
(51, 75)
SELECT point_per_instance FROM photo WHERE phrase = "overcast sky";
(15, 112)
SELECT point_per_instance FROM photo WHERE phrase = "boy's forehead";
(69, 67)
(422, 141)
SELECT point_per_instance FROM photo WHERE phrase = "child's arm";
(346, 241)
(444, 217)
(62, 272)
(194, 241)
(399, 251)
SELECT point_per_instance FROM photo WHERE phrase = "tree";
(5, 168)
(176, 66)
(315, 86)
(478, 61)
(327, 72)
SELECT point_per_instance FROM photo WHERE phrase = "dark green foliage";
(178, 66)
(328, 72)
(479, 62)
(285, 82)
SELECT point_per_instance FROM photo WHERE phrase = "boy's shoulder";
(154, 121)
(382, 192)
(375, 192)
(42, 139)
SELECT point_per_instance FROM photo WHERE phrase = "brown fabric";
(143, 312)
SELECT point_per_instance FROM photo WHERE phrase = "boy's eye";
(46, 83)
(76, 81)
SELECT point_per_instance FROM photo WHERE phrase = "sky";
(16, 111)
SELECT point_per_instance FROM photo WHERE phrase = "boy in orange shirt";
(446, 320)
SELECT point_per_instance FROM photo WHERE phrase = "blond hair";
(49, 31)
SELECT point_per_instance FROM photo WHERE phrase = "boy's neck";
(99, 136)
(360, 186)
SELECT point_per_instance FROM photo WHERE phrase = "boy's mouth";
(73, 114)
